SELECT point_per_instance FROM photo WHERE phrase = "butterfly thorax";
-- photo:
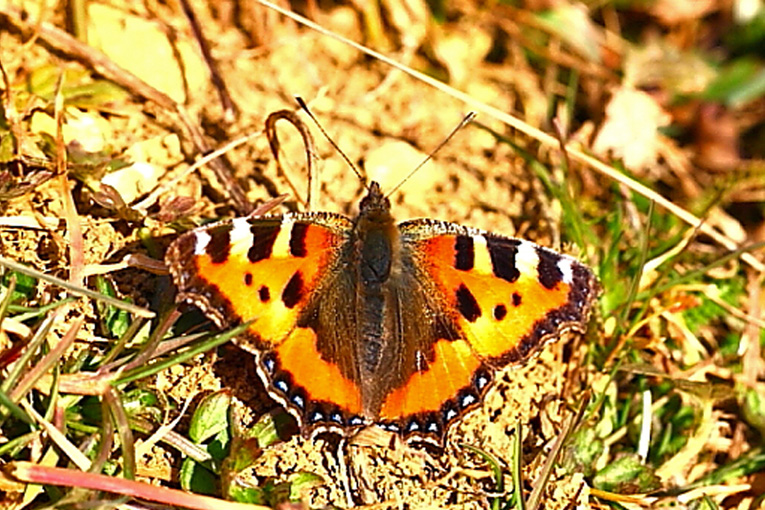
(375, 235)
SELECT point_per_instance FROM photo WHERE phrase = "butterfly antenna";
(464, 122)
(304, 106)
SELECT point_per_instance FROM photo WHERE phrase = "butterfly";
(361, 321)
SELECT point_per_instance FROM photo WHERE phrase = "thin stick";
(160, 189)
(230, 111)
(310, 152)
(73, 223)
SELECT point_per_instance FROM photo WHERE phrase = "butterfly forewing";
(508, 295)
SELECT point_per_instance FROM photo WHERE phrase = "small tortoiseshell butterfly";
(362, 321)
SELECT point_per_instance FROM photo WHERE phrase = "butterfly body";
(363, 321)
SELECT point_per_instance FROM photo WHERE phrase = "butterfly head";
(374, 203)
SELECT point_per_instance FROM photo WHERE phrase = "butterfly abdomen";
(375, 257)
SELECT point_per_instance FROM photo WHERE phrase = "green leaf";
(251, 495)
(739, 83)
(582, 450)
(210, 417)
(704, 503)
(140, 402)
(115, 321)
(79, 89)
(699, 316)
(626, 475)
(7, 148)
(196, 478)
(749, 37)
(244, 453)
(269, 493)
(218, 447)
(302, 482)
(95, 94)
(276, 493)
(89, 408)
(750, 462)
(26, 286)
(265, 431)
(753, 407)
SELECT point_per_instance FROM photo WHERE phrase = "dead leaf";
(630, 130)
(573, 24)
(123, 36)
(658, 64)
(410, 17)
(134, 180)
(461, 52)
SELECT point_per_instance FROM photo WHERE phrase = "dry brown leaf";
(717, 138)
(572, 23)
(90, 131)
(658, 64)
(134, 180)
(630, 130)
(410, 17)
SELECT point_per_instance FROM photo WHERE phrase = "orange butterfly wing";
(267, 271)
(505, 299)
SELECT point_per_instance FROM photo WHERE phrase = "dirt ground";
(386, 123)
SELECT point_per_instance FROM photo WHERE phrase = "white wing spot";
(527, 260)
(203, 239)
(482, 258)
(419, 360)
(467, 400)
(566, 269)
(240, 230)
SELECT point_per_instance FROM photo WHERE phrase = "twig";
(749, 350)
(50, 359)
(310, 152)
(154, 195)
(73, 224)
(230, 111)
